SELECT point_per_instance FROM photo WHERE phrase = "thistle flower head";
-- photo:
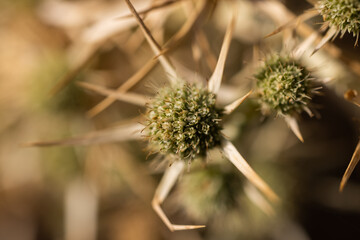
(344, 15)
(210, 193)
(284, 85)
(184, 120)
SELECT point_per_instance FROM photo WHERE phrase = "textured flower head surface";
(284, 85)
(342, 14)
(184, 120)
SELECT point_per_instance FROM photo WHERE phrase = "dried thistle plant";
(183, 123)
(340, 16)
(89, 33)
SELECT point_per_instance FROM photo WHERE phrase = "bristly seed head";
(283, 85)
(342, 14)
(184, 120)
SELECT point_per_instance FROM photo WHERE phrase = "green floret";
(342, 14)
(283, 85)
(183, 120)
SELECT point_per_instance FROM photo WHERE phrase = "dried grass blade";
(240, 163)
(353, 162)
(205, 48)
(154, 45)
(279, 29)
(155, 6)
(216, 78)
(116, 134)
(123, 88)
(292, 23)
(133, 98)
(192, 20)
(181, 34)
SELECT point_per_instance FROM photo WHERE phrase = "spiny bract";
(283, 85)
(342, 14)
(184, 120)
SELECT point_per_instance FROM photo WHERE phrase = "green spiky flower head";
(183, 120)
(342, 14)
(284, 85)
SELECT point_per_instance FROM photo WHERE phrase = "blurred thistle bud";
(183, 120)
(284, 86)
(217, 196)
(209, 193)
(344, 15)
